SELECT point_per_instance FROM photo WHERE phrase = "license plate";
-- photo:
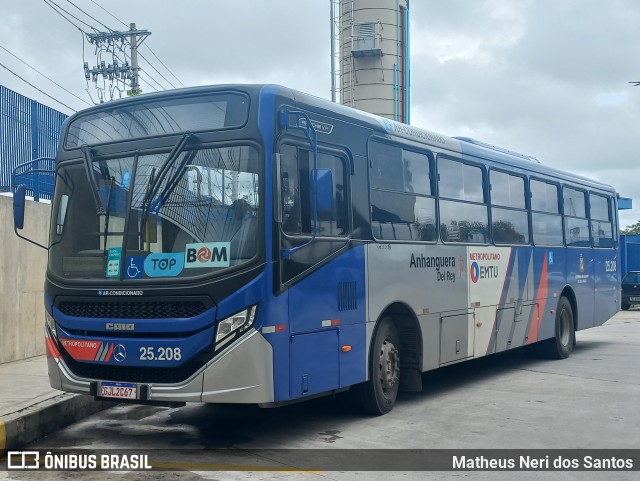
(118, 390)
(634, 299)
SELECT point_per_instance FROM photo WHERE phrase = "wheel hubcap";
(389, 365)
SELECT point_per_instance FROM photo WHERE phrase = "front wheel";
(560, 346)
(378, 395)
(625, 306)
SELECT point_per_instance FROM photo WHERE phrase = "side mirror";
(324, 190)
(19, 201)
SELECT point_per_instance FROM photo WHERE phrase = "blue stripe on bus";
(309, 302)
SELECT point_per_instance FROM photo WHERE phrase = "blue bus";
(255, 244)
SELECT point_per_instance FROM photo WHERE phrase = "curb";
(35, 421)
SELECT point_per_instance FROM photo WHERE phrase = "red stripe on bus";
(506, 283)
(541, 301)
(52, 349)
(106, 359)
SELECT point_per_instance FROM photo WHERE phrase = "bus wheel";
(560, 346)
(625, 307)
(378, 395)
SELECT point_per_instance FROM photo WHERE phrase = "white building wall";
(22, 270)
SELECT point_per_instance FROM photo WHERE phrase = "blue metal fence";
(629, 253)
(28, 130)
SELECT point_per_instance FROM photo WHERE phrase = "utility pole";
(332, 15)
(135, 68)
(114, 43)
(334, 12)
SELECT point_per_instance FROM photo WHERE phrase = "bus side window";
(545, 214)
(296, 168)
(509, 216)
(402, 207)
(601, 224)
(576, 223)
(291, 223)
(463, 212)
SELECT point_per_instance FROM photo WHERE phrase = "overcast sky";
(547, 78)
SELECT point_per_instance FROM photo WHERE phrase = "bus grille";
(133, 310)
(155, 375)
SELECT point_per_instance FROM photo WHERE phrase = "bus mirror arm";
(277, 208)
(304, 124)
(19, 204)
(20, 193)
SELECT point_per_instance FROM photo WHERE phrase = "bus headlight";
(236, 323)
(50, 323)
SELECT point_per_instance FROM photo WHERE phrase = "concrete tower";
(374, 56)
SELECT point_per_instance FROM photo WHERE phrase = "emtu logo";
(475, 272)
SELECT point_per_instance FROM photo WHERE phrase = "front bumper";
(626, 298)
(242, 373)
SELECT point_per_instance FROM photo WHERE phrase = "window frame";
(432, 187)
(609, 199)
(526, 209)
(485, 195)
(587, 213)
(559, 214)
(346, 161)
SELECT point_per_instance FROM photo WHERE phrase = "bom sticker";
(210, 254)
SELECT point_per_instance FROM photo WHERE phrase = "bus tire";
(561, 345)
(625, 306)
(378, 395)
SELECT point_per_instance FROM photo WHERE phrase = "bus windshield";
(195, 215)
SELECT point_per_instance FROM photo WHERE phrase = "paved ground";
(590, 400)
(30, 408)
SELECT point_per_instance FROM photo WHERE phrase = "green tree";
(633, 229)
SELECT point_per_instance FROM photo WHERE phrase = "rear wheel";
(561, 345)
(378, 395)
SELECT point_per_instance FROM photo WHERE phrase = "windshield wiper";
(95, 190)
(154, 184)
(156, 181)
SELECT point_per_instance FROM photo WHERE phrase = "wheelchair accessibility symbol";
(133, 267)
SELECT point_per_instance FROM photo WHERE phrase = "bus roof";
(459, 145)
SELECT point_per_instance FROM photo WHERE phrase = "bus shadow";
(222, 426)
(469, 372)
(226, 426)
(585, 346)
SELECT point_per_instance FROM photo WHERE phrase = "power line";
(37, 71)
(174, 75)
(160, 86)
(151, 65)
(148, 83)
(51, 3)
(92, 18)
(100, 6)
(38, 89)
(55, 10)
